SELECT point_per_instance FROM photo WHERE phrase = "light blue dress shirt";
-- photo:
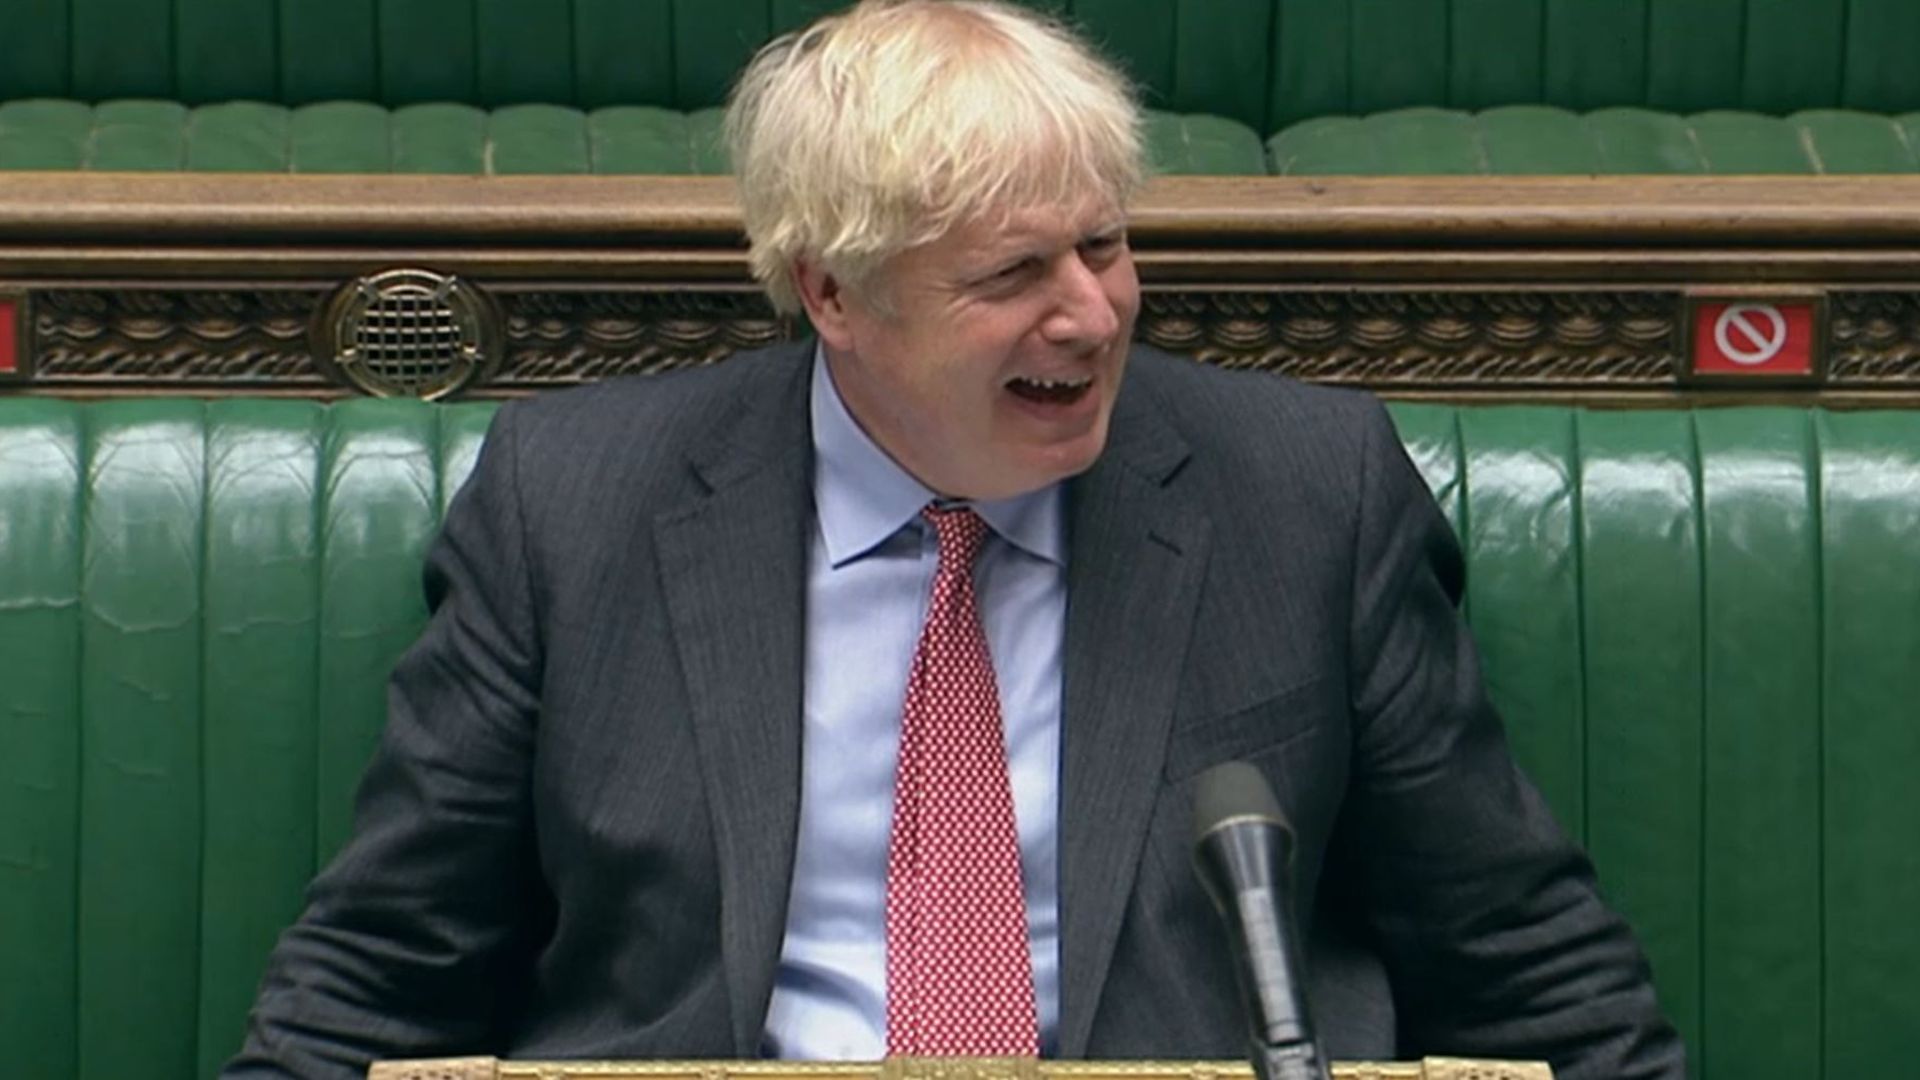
(870, 569)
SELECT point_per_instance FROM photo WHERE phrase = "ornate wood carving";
(560, 338)
(1551, 288)
(1477, 340)
(165, 336)
(1873, 338)
(1393, 338)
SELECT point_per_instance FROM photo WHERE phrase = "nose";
(1083, 313)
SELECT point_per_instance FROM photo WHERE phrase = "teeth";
(1058, 384)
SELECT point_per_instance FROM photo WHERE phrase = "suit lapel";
(734, 569)
(733, 563)
(1138, 551)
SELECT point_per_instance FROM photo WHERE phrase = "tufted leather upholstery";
(1702, 627)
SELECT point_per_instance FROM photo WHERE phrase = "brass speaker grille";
(409, 333)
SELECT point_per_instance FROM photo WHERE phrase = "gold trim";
(1837, 401)
(485, 1068)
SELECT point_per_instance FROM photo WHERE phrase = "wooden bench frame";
(1453, 288)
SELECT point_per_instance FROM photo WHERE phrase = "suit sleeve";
(1495, 936)
(415, 936)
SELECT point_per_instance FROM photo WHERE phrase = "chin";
(1066, 462)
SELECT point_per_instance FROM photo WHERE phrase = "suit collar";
(863, 497)
(767, 421)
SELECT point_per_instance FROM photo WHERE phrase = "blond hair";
(884, 126)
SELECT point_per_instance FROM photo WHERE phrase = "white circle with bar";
(1750, 334)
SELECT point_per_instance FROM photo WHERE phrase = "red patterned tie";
(959, 978)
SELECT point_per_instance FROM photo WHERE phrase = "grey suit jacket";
(576, 837)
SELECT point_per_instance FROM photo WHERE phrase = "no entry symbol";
(1748, 336)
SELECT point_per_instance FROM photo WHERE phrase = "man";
(649, 787)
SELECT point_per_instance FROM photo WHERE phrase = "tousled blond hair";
(884, 126)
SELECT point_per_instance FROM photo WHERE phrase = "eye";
(1104, 247)
(1008, 274)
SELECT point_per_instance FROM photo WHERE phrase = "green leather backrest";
(1362, 56)
(1264, 63)
(1702, 627)
(199, 606)
(355, 137)
(1523, 140)
(1704, 631)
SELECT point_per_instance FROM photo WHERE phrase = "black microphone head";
(1229, 790)
(1242, 848)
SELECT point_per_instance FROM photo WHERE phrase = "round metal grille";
(409, 333)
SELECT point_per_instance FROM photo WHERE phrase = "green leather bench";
(539, 139)
(1702, 627)
(1238, 86)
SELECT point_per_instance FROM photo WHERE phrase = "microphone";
(1242, 850)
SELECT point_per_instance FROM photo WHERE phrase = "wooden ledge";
(1206, 212)
(275, 208)
(1661, 211)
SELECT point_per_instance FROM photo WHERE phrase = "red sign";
(9, 338)
(1752, 338)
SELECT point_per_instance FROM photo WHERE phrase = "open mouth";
(1050, 391)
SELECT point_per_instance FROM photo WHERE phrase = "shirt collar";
(863, 496)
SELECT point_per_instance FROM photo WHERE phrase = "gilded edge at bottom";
(486, 1068)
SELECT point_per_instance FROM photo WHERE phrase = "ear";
(827, 302)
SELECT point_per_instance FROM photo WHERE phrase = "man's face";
(986, 362)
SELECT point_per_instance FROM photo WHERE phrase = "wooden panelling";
(1548, 288)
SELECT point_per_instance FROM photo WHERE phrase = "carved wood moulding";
(170, 338)
(1544, 288)
(199, 340)
(1392, 338)
(1874, 338)
(563, 338)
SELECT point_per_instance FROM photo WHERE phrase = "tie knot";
(961, 532)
